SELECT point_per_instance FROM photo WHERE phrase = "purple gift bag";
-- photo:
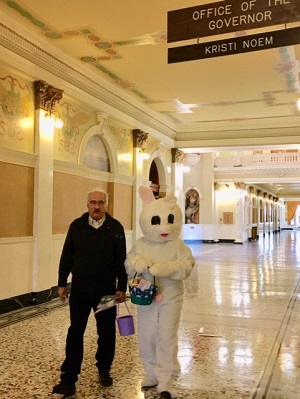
(125, 323)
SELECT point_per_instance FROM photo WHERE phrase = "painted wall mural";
(124, 146)
(76, 121)
(16, 113)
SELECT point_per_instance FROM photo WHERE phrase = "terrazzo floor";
(239, 336)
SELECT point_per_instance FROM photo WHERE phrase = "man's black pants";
(80, 308)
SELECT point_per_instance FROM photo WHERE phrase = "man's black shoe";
(65, 389)
(105, 379)
(165, 395)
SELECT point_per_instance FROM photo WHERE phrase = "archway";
(95, 155)
(157, 178)
(106, 137)
(154, 178)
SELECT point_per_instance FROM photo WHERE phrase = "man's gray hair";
(98, 190)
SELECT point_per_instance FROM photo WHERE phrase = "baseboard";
(28, 299)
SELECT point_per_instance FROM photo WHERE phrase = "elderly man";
(94, 253)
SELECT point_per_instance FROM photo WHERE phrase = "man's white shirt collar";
(96, 223)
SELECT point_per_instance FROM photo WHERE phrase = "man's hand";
(120, 296)
(63, 293)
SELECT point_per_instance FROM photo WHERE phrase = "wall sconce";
(57, 122)
(298, 104)
(144, 154)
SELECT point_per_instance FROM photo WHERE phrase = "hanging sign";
(230, 16)
(244, 44)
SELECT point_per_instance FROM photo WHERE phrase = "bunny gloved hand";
(142, 265)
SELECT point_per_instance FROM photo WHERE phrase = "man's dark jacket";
(94, 257)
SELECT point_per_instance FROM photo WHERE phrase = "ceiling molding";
(281, 138)
(240, 133)
(89, 82)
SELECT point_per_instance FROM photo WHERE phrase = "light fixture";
(192, 159)
(144, 154)
(298, 104)
(58, 123)
(26, 122)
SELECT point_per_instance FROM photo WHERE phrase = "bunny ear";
(146, 194)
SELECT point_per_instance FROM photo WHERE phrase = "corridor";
(239, 336)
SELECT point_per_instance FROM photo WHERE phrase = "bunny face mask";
(160, 220)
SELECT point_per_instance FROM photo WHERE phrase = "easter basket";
(141, 291)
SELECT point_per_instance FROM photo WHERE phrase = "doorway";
(154, 178)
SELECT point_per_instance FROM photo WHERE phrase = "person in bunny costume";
(162, 254)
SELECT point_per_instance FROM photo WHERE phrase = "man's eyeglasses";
(94, 203)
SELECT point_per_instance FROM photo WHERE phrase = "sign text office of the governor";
(231, 16)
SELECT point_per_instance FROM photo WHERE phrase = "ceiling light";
(192, 159)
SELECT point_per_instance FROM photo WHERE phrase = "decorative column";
(270, 216)
(282, 213)
(218, 218)
(206, 181)
(253, 215)
(139, 139)
(46, 97)
(252, 205)
(249, 209)
(178, 157)
(259, 209)
(240, 213)
(276, 215)
(265, 208)
(216, 203)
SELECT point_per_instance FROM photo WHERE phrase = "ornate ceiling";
(245, 100)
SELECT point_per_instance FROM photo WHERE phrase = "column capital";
(178, 156)
(46, 96)
(139, 138)
(240, 185)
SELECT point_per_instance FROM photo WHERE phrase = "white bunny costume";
(160, 253)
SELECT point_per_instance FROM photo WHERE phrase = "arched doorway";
(157, 177)
(154, 178)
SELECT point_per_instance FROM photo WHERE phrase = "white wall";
(16, 266)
